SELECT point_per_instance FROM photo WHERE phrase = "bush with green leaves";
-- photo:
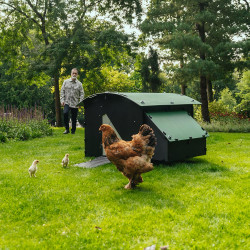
(227, 100)
(13, 129)
(24, 96)
(80, 116)
(223, 120)
(243, 93)
(22, 126)
(227, 124)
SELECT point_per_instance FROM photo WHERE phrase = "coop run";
(179, 136)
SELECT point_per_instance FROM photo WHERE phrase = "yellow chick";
(65, 161)
(33, 168)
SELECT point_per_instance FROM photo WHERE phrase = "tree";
(23, 96)
(227, 99)
(199, 35)
(150, 72)
(243, 93)
(63, 28)
(108, 79)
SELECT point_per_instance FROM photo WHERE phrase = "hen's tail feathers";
(145, 130)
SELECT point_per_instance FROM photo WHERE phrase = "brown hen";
(132, 158)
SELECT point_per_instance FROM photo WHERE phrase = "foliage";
(81, 117)
(107, 79)
(40, 42)
(223, 119)
(60, 35)
(194, 204)
(229, 82)
(226, 99)
(26, 96)
(196, 39)
(226, 114)
(135, 76)
(22, 125)
(228, 123)
(214, 108)
(150, 71)
(243, 92)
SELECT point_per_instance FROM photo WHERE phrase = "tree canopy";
(55, 36)
(200, 36)
(196, 44)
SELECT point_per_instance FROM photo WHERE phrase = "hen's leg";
(129, 185)
(138, 179)
(132, 183)
(130, 178)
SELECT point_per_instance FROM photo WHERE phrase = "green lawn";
(201, 203)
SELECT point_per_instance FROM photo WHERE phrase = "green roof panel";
(158, 99)
(150, 99)
(177, 126)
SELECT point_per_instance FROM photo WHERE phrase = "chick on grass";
(65, 161)
(33, 168)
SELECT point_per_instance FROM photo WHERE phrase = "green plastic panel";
(158, 99)
(177, 125)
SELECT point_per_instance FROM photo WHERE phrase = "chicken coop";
(179, 136)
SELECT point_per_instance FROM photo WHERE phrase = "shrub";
(243, 93)
(80, 117)
(22, 125)
(227, 100)
(3, 137)
(223, 120)
(227, 125)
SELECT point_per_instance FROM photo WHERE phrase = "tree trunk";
(183, 85)
(210, 95)
(57, 103)
(204, 102)
(203, 82)
(183, 89)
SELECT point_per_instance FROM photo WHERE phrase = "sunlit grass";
(201, 203)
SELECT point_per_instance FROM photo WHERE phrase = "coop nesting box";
(179, 136)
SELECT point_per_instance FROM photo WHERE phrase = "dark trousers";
(74, 112)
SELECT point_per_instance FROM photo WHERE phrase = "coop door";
(106, 120)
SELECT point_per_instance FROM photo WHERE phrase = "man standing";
(71, 94)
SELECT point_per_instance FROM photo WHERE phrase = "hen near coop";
(132, 158)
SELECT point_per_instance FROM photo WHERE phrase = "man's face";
(74, 74)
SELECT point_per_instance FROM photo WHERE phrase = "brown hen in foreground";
(132, 158)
